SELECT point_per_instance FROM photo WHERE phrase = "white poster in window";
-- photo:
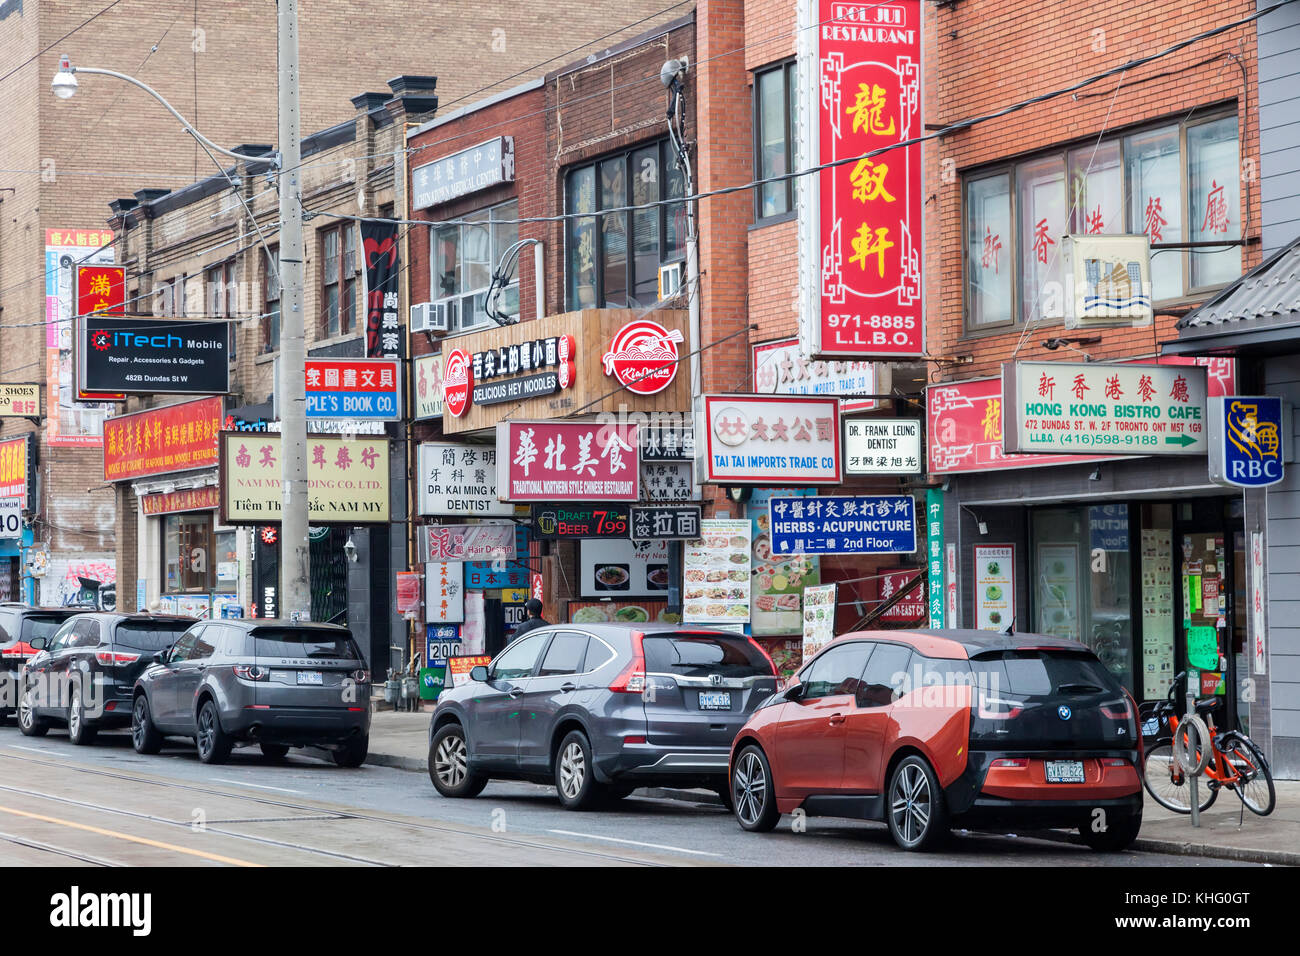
(1058, 590)
(617, 567)
(444, 592)
(995, 588)
(717, 568)
(818, 618)
(471, 632)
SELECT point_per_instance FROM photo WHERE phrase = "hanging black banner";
(383, 330)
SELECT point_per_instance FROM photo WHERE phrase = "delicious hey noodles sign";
(860, 227)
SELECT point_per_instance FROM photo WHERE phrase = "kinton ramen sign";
(643, 357)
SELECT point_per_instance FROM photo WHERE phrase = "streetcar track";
(347, 814)
(51, 848)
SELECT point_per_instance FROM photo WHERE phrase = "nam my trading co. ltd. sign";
(347, 480)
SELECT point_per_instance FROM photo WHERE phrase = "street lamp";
(290, 386)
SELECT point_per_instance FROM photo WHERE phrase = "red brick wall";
(984, 54)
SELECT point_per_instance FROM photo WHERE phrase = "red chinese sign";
(162, 440)
(964, 419)
(865, 62)
(457, 382)
(101, 289)
(911, 608)
(192, 499)
(14, 468)
(643, 357)
(568, 461)
(408, 592)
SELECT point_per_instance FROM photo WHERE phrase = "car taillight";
(1017, 763)
(997, 708)
(770, 662)
(113, 658)
(1117, 709)
(361, 677)
(13, 652)
(251, 672)
(632, 678)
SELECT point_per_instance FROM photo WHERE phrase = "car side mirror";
(795, 692)
(38, 643)
(478, 673)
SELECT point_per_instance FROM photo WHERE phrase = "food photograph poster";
(995, 589)
(717, 570)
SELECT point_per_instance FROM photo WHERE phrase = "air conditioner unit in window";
(429, 317)
(670, 280)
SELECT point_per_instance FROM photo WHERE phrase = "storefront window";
(464, 258)
(227, 562)
(1082, 581)
(187, 552)
(1042, 223)
(1212, 179)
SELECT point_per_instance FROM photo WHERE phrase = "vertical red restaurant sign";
(860, 222)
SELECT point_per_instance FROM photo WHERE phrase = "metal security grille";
(329, 576)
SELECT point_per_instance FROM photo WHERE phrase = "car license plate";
(310, 677)
(1064, 771)
(715, 700)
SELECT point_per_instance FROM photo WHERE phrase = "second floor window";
(339, 262)
(464, 258)
(1175, 183)
(613, 261)
(270, 324)
(775, 98)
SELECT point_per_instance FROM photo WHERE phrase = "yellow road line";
(126, 836)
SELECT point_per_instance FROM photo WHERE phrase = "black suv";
(85, 674)
(19, 624)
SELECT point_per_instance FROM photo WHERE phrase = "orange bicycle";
(1235, 762)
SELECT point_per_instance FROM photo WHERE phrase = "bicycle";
(1236, 762)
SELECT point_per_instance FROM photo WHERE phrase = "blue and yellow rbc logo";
(1251, 437)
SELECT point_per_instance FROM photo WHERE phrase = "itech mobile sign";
(154, 356)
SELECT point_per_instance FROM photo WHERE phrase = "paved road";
(105, 805)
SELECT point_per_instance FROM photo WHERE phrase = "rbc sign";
(1247, 440)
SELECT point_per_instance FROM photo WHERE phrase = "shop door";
(329, 575)
(1204, 559)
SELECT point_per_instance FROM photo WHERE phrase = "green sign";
(432, 680)
(934, 556)
(1203, 647)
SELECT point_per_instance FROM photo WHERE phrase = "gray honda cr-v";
(600, 709)
(277, 683)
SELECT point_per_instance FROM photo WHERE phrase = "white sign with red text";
(643, 357)
(764, 439)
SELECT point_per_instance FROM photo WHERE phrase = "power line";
(42, 52)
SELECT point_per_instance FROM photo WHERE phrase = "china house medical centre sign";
(860, 221)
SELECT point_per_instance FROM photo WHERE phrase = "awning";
(1260, 312)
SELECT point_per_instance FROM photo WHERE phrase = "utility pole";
(290, 386)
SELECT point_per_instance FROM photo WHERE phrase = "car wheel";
(753, 796)
(1119, 834)
(30, 724)
(917, 812)
(353, 753)
(145, 737)
(449, 764)
(214, 743)
(274, 751)
(80, 732)
(575, 780)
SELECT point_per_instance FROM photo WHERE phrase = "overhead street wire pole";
(290, 386)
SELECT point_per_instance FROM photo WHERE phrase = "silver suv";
(599, 710)
(276, 683)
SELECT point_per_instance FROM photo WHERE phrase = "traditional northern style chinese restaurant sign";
(765, 439)
(347, 479)
(161, 441)
(1065, 407)
(567, 461)
(172, 502)
(964, 422)
(18, 467)
(860, 222)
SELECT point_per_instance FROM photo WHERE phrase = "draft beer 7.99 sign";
(860, 229)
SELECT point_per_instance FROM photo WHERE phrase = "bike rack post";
(1191, 731)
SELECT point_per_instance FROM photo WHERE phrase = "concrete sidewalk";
(401, 739)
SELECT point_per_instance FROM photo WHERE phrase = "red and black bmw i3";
(927, 730)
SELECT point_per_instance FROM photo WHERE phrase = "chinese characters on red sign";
(568, 461)
(101, 289)
(866, 64)
(174, 438)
